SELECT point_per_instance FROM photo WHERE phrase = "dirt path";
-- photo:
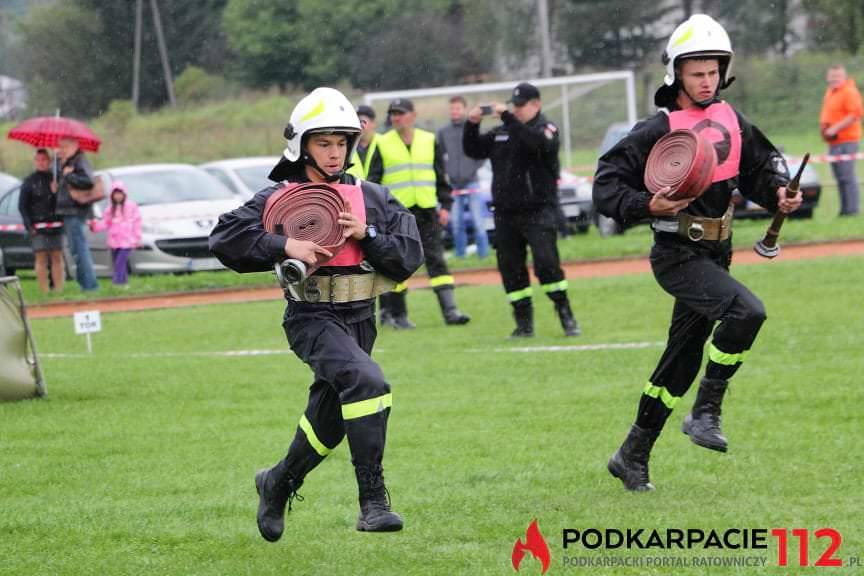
(587, 269)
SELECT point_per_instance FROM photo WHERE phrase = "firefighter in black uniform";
(692, 240)
(330, 317)
(524, 154)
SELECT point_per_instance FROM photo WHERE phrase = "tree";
(836, 24)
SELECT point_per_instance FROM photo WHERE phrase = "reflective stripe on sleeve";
(367, 407)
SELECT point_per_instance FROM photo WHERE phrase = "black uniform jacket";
(241, 243)
(37, 203)
(619, 189)
(524, 158)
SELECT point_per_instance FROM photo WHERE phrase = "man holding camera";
(524, 154)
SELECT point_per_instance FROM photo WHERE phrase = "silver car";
(244, 176)
(180, 205)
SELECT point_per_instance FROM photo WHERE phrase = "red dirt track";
(585, 269)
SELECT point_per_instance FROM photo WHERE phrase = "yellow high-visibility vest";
(361, 169)
(410, 175)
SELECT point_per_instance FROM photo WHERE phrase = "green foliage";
(141, 461)
(196, 85)
(837, 24)
(118, 116)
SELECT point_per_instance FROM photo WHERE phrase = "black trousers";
(697, 275)
(514, 233)
(433, 245)
(349, 395)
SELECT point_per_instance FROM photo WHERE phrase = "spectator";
(38, 207)
(840, 123)
(122, 220)
(462, 171)
(77, 175)
(366, 156)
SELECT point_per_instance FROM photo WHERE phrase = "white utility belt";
(338, 289)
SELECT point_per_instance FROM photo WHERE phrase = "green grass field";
(142, 459)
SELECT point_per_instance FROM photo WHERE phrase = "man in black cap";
(412, 168)
(524, 154)
(367, 148)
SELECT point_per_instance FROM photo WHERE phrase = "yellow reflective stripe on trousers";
(319, 447)
(660, 392)
(366, 407)
(555, 286)
(519, 294)
(400, 287)
(441, 281)
(719, 357)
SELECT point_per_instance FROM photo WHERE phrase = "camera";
(486, 110)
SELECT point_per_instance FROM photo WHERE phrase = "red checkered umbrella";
(46, 131)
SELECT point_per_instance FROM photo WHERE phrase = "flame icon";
(535, 544)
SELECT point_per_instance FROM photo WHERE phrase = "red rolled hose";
(683, 160)
(308, 211)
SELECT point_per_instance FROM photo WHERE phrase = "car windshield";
(172, 186)
(7, 182)
(255, 177)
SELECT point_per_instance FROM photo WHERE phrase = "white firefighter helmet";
(322, 110)
(699, 35)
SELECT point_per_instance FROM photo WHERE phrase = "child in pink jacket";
(122, 220)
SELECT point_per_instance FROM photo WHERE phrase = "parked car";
(744, 208)
(180, 205)
(574, 198)
(243, 176)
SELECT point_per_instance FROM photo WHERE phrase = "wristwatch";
(371, 232)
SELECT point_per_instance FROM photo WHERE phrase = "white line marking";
(578, 348)
(227, 353)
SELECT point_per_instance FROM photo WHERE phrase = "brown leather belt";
(338, 289)
(697, 228)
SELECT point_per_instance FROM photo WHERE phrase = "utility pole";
(545, 43)
(136, 58)
(163, 52)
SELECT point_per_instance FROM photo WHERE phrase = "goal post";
(582, 106)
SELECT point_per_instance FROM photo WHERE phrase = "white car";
(180, 205)
(243, 176)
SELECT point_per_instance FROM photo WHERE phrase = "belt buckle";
(695, 231)
(311, 292)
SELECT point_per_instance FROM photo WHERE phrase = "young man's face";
(67, 147)
(42, 162)
(527, 111)
(368, 126)
(457, 111)
(328, 151)
(836, 77)
(700, 78)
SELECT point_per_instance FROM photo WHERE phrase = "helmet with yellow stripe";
(322, 111)
(700, 36)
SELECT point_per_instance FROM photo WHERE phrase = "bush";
(195, 85)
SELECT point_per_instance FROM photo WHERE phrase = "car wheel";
(2, 265)
(607, 226)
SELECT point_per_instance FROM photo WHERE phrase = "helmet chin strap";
(327, 177)
(700, 103)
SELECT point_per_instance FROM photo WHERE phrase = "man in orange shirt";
(840, 123)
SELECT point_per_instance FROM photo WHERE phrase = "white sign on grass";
(86, 323)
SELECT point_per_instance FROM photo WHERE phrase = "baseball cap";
(523, 93)
(400, 104)
(364, 110)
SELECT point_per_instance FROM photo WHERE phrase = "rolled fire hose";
(308, 211)
(683, 160)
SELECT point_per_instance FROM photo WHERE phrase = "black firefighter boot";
(568, 322)
(276, 487)
(630, 462)
(399, 310)
(386, 315)
(523, 313)
(447, 300)
(703, 422)
(367, 436)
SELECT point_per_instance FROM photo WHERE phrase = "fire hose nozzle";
(290, 271)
